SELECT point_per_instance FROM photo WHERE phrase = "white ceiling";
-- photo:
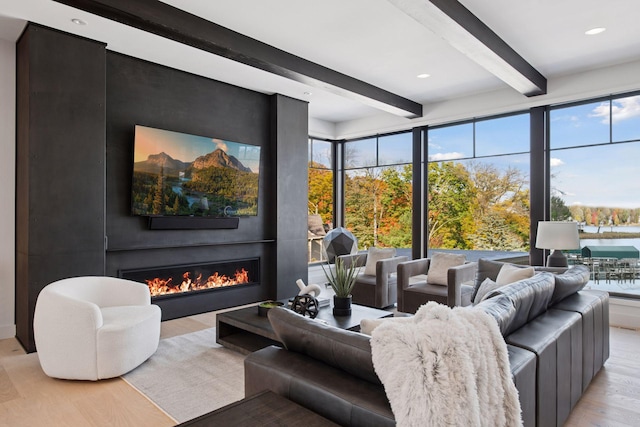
(370, 40)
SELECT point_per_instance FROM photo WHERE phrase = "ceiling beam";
(167, 21)
(463, 30)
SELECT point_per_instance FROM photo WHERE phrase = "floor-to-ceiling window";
(378, 190)
(594, 164)
(478, 185)
(320, 202)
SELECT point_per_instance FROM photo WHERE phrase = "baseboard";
(624, 313)
(7, 331)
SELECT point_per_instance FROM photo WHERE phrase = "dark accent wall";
(289, 130)
(77, 108)
(148, 94)
(60, 182)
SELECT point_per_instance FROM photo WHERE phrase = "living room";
(127, 234)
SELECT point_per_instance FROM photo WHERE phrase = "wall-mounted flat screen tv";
(177, 174)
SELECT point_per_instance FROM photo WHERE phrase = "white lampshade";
(557, 235)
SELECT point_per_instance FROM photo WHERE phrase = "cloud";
(572, 119)
(220, 144)
(445, 156)
(555, 162)
(621, 109)
(434, 145)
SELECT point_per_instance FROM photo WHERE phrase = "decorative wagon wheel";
(306, 305)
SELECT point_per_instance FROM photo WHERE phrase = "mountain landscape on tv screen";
(216, 184)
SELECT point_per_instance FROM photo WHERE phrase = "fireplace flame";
(158, 286)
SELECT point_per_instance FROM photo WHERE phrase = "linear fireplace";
(178, 280)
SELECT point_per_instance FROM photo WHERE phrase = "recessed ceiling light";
(594, 31)
(423, 76)
(78, 21)
(308, 93)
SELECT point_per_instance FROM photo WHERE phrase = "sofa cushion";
(374, 255)
(346, 350)
(529, 297)
(570, 282)
(501, 308)
(439, 266)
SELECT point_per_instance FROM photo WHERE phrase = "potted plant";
(264, 307)
(342, 278)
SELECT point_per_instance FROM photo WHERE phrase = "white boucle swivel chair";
(91, 328)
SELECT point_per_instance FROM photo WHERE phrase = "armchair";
(379, 290)
(415, 291)
(90, 328)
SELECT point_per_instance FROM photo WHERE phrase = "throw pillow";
(570, 282)
(374, 255)
(510, 273)
(439, 266)
(487, 286)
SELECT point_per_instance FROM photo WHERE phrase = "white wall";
(624, 313)
(7, 189)
(321, 129)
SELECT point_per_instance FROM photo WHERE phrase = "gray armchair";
(414, 291)
(375, 291)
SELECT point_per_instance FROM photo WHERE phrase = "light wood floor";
(29, 398)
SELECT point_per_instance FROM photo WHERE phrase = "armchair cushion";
(374, 255)
(439, 267)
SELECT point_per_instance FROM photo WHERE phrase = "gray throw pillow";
(487, 286)
(570, 282)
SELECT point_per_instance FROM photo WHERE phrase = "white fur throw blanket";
(449, 367)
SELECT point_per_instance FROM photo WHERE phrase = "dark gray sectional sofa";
(557, 337)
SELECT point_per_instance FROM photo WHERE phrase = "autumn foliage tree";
(321, 191)
(470, 205)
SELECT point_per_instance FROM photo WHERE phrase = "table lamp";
(556, 236)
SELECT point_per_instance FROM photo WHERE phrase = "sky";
(603, 175)
(187, 148)
(600, 174)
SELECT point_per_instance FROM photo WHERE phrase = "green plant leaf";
(342, 278)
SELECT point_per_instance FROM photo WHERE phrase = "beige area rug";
(190, 375)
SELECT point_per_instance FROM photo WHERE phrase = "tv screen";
(177, 174)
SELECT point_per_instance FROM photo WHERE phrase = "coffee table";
(245, 331)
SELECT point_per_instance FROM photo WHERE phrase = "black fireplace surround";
(178, 280)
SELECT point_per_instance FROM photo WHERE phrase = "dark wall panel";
(139, 92)
(60, 162)
(179, 305)
(290, 130)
